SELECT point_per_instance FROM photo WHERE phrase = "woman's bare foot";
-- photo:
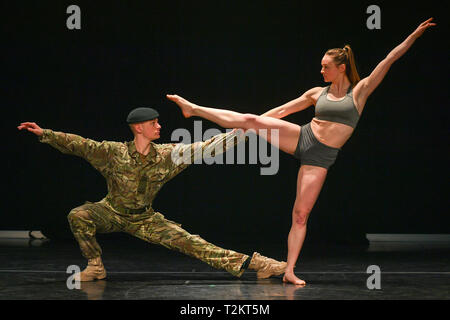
(290, 277)
(187, 108)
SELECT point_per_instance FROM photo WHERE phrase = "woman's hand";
(422, 27)
(32, 127)
(367, 85)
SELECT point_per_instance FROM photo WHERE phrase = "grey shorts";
(311, 151)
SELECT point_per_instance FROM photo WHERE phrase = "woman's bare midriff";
(332, 134)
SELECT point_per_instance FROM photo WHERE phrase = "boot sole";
(87, 279)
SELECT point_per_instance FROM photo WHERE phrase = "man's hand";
(32, 127)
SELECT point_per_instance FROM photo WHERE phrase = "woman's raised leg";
(288, 133)
(309, 183)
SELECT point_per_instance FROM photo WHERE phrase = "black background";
(249, 56)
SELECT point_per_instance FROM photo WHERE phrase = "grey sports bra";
(342, 111)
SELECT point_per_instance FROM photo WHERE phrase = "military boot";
(94, 270)
(266, 267)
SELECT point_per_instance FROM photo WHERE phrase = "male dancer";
(135, 171)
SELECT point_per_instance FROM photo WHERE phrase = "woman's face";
(330, 71)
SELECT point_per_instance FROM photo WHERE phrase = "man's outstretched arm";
(94, 152)
(218, 144)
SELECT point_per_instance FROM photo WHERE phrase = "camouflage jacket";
(133, 180)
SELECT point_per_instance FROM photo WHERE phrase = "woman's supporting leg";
(288, 133)
(309, 183)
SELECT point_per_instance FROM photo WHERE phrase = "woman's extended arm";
(367, 85)
(296, 105)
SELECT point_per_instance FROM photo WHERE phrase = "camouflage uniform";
(133, 181)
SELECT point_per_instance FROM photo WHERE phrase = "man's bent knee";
(77, 213)
(80, 221)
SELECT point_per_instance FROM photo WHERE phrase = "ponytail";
(345, 55)
(350, 68)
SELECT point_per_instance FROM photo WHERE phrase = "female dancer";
(316, 144)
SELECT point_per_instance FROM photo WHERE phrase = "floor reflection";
(138, 271)
(94, 289)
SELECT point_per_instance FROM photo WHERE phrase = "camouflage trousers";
(85, 221)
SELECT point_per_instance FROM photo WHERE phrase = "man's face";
(149, 129)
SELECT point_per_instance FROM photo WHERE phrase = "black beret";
(142, 114)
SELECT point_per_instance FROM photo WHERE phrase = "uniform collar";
(152, 156)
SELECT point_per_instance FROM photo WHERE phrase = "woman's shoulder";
(316, 92)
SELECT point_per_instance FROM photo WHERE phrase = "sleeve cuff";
(45, 136)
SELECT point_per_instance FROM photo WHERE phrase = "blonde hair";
(345, 56)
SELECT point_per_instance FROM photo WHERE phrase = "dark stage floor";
(141, 271)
